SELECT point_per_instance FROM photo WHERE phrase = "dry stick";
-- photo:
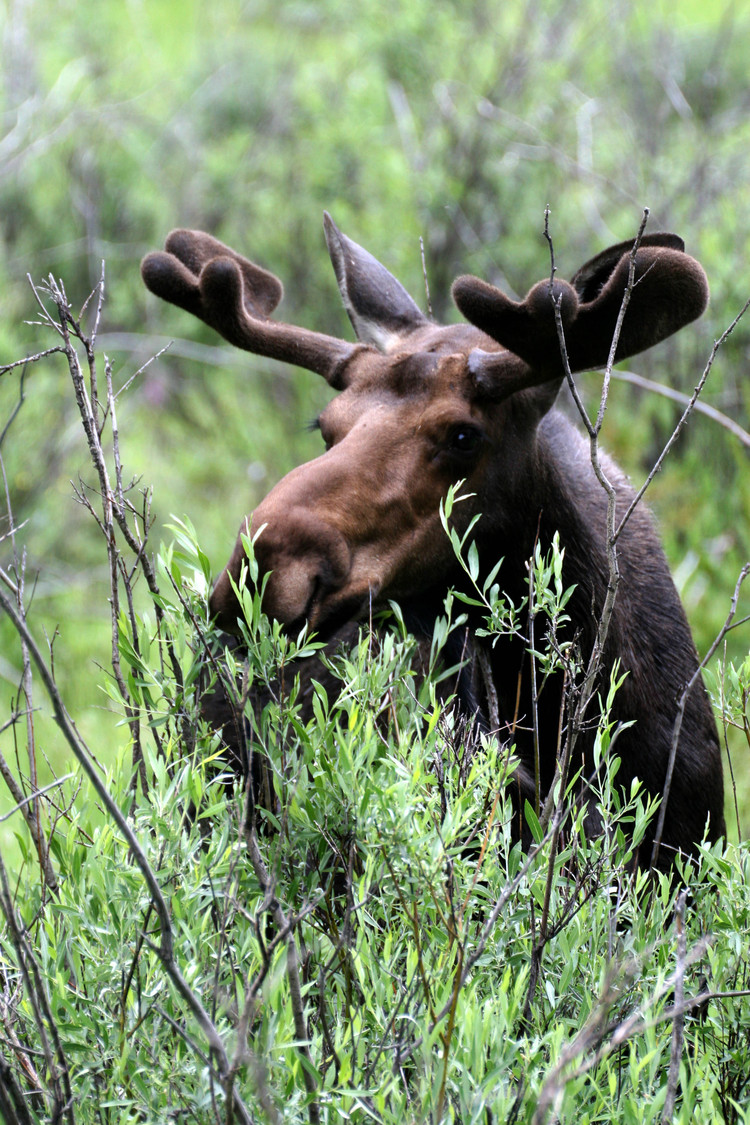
(414, 921)
(424, 275)
(534, 694)
(31, 358)
(24, 1052)
(165, 950)
(261, 1090)
(54, 1055)
(23, 801)
(722, 705)
(479, 949)
(117, 570)
(449, 1034)
(13, 1107)
(691, 405)
(146, 364)
(493, 705)
(109, 527)
(292, 969)
(590, 1036)
(679, 718)
(86, 407)
(33, 814)
(594, 429)
(243, 1054)
(555, 825)
(678, 1024)
(16, 408)
(131, 713)
(57, 293)
(554, 808)
(90, 341)
(685, 400)
(145, 516)
(613, 532)
(115, 509)
(28, 694)
(601, 1040)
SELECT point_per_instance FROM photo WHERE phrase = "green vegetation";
(371, 946)
(389, 848)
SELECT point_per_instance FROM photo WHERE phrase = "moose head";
(419, 406)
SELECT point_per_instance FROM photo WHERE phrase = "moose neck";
(555, 492)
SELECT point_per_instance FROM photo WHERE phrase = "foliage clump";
(377, 947)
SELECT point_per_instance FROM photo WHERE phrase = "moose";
(421, 406)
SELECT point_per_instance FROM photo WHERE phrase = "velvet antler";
(235, 297)
(670, 289)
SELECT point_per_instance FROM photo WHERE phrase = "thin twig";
(36, 994)
(597, 1038)
(685, 400)
(424, 275)
(680, 715)
(292, 966)
(468, 965)
(595, 659)
(683, 419)
(678, 1023)
(19, 404)
(32, 813)
(31, 359)
(165, 949)
(37, 793)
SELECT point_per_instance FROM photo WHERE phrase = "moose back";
(421, 406)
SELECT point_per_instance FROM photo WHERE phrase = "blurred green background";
(455, 123)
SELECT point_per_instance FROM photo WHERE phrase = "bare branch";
(596, 657)
(678, 1023)
(597, 1038)
(54, 1055)
(679, 718)
(165, 949)
(683, 419)
(292, 965)
(464, 970)
(23, 801)
(685, 400)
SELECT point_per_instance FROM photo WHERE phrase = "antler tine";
(235, 297)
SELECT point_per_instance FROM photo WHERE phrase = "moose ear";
(380, 309)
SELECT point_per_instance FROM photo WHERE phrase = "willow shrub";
(440, 973)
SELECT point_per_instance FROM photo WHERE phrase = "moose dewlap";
(422, 406)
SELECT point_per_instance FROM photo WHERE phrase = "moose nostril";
(305, 561)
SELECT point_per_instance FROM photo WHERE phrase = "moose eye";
(316, 425)
(464, 440)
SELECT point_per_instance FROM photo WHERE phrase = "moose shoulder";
(421, 406)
